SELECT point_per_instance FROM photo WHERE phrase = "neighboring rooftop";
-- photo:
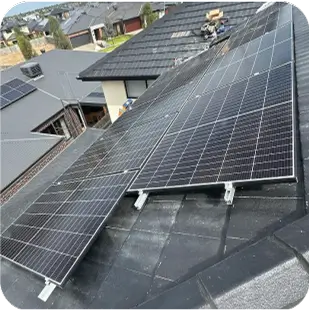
(153, 51)
(57, 11)
(124, 11)
(187, 250)
(78, 21)
(95, 97)
(20, 150)
(60, 68)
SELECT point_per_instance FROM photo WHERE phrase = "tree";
(24, 44)
(148, 15)
(109, 29)
(61, 40)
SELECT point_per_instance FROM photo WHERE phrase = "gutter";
(116, 78)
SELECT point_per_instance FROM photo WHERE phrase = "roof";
(8, 25)
(31, 25)
(152, 51)
(20, 150)
(95, 97)
(42, 25)
(60, 68)
(188, 250)
(124, 11)
(84, 18)
(94, 14)
(78, 21)
(57, 11)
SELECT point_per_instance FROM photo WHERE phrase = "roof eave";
(116, 78)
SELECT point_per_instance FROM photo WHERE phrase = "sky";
(28, 6)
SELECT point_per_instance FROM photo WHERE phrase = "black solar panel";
(14, 90)
(54, 233)
(224, 133)
(264, 22)
(254, 57)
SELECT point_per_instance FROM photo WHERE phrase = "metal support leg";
(141, 200)
(47, 290)
(229, 193)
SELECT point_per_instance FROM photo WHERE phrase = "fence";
(38, 42)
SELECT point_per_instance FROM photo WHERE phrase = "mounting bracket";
(47, 290)
(229, 193)
(141, 200)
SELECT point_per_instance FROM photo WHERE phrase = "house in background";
(126, 16)
(129, 70)
(30, 17)
(60, 13)
(59, 108)
(41, 27)
(7, 30)
(85, 25)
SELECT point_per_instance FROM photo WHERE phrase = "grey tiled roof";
(78, 21)
(124, 11)
(57, 11)
(83, 19)
(42, 25)
(31, 25)
(153, 51)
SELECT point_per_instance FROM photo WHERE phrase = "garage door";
(81, 40)
(133, 24)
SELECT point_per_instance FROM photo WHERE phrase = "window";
(149, 82)
(135, 88)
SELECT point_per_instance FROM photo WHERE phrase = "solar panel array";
(50, 238)
(270, 50)
(266, 21)
(14, 90)
(238, 124)
(57, 229)
(219, 117)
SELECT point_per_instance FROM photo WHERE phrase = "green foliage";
(109, 28)
(60, 39)
(109, 32)
(24, 44)
(148, 15)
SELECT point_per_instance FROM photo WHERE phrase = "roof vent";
(31, 69)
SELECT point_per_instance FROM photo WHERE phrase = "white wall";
(92, 28)
(115, 95)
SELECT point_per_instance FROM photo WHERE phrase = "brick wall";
(73, 122)
(31, 172)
